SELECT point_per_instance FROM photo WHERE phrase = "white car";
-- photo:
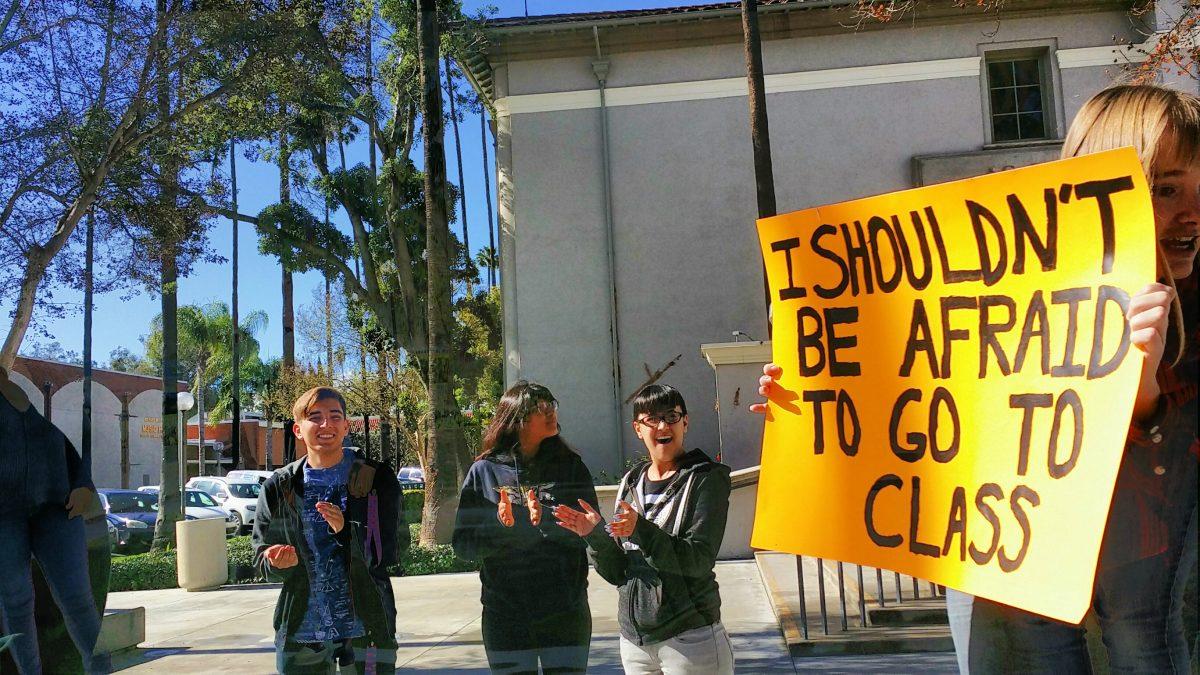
(248, 476)
(199, 505)
(239, 497)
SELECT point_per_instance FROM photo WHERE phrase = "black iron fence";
(883, 582)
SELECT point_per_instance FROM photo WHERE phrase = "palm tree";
(204, 342)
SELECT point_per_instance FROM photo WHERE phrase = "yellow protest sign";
(957, 377)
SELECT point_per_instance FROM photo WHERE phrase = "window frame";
(1051, 88)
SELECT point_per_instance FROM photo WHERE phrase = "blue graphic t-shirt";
(330, 613)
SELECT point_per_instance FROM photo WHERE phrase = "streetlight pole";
(185, 403)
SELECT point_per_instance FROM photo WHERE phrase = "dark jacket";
(278, 521)
(1156, 487)
(667, 584)
(526, 569)
(40, 465)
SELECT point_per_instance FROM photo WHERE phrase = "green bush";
(419, 560)
(151, 571)
(143, 572)
(241, 562)
(413, 502)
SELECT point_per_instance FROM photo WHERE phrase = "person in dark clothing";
(326, 526)
(670, 518)
(47, 487)
(533, 573)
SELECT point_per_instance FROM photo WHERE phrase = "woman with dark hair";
(665, 535)
(534, 573)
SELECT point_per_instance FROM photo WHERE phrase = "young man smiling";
(669, 522)
(326, 528)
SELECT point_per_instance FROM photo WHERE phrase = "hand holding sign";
(1148, 314)
(766, 383)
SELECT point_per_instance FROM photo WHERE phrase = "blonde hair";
(1146, 117)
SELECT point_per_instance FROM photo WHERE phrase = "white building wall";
(67, 414)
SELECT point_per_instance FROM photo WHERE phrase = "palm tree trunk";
(289, 309)
(462, 182)
(487, 194)
(760, 135)
(446, 450)
(236, 412)
(170, 503)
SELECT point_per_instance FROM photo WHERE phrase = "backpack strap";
(373, 534)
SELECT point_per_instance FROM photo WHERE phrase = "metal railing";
(880, 599)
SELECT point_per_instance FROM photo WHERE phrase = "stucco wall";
(67, 414)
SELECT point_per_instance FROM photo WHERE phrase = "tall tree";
(83, 101)
(385, 208)
(760, 135)
(170, 502)
(445, 444)
(287, 292)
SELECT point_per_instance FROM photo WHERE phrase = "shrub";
(241, 562)
(420, 560)
(143, 572)
(413, 502)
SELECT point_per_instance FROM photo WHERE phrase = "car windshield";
(245, 490)
(132, 502)
(197, 498)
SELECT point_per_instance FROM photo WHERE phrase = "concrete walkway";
(229, 630)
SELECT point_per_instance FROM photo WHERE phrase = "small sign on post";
(958, 378)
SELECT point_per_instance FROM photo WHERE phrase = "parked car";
(132, 515)
(152, 489)
(199, 505)
(239, 497)
(248, 475)
(137, 510)
(411, 477)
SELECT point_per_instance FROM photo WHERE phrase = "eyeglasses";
(671, 417)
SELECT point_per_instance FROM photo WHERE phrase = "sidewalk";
(229, 630)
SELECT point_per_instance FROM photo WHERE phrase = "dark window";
(245, 490)
(126, 502)
(1015, 93)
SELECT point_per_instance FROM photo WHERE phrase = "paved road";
(229, 630)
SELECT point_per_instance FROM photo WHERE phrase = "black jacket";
(525, 569)
(40, 465)
(278, 521)
(667, 584)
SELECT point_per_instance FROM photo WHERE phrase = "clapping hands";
(504, 508)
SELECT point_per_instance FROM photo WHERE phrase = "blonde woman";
(1149, 543)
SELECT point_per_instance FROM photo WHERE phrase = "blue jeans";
(60, 547)
(1138, 606)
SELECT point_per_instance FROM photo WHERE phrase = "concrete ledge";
(122, 629)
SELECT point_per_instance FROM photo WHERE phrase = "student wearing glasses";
(533, 573)
(669, 522)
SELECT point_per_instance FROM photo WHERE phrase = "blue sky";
(119, 322)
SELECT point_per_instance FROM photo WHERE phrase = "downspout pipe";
(600, 68)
